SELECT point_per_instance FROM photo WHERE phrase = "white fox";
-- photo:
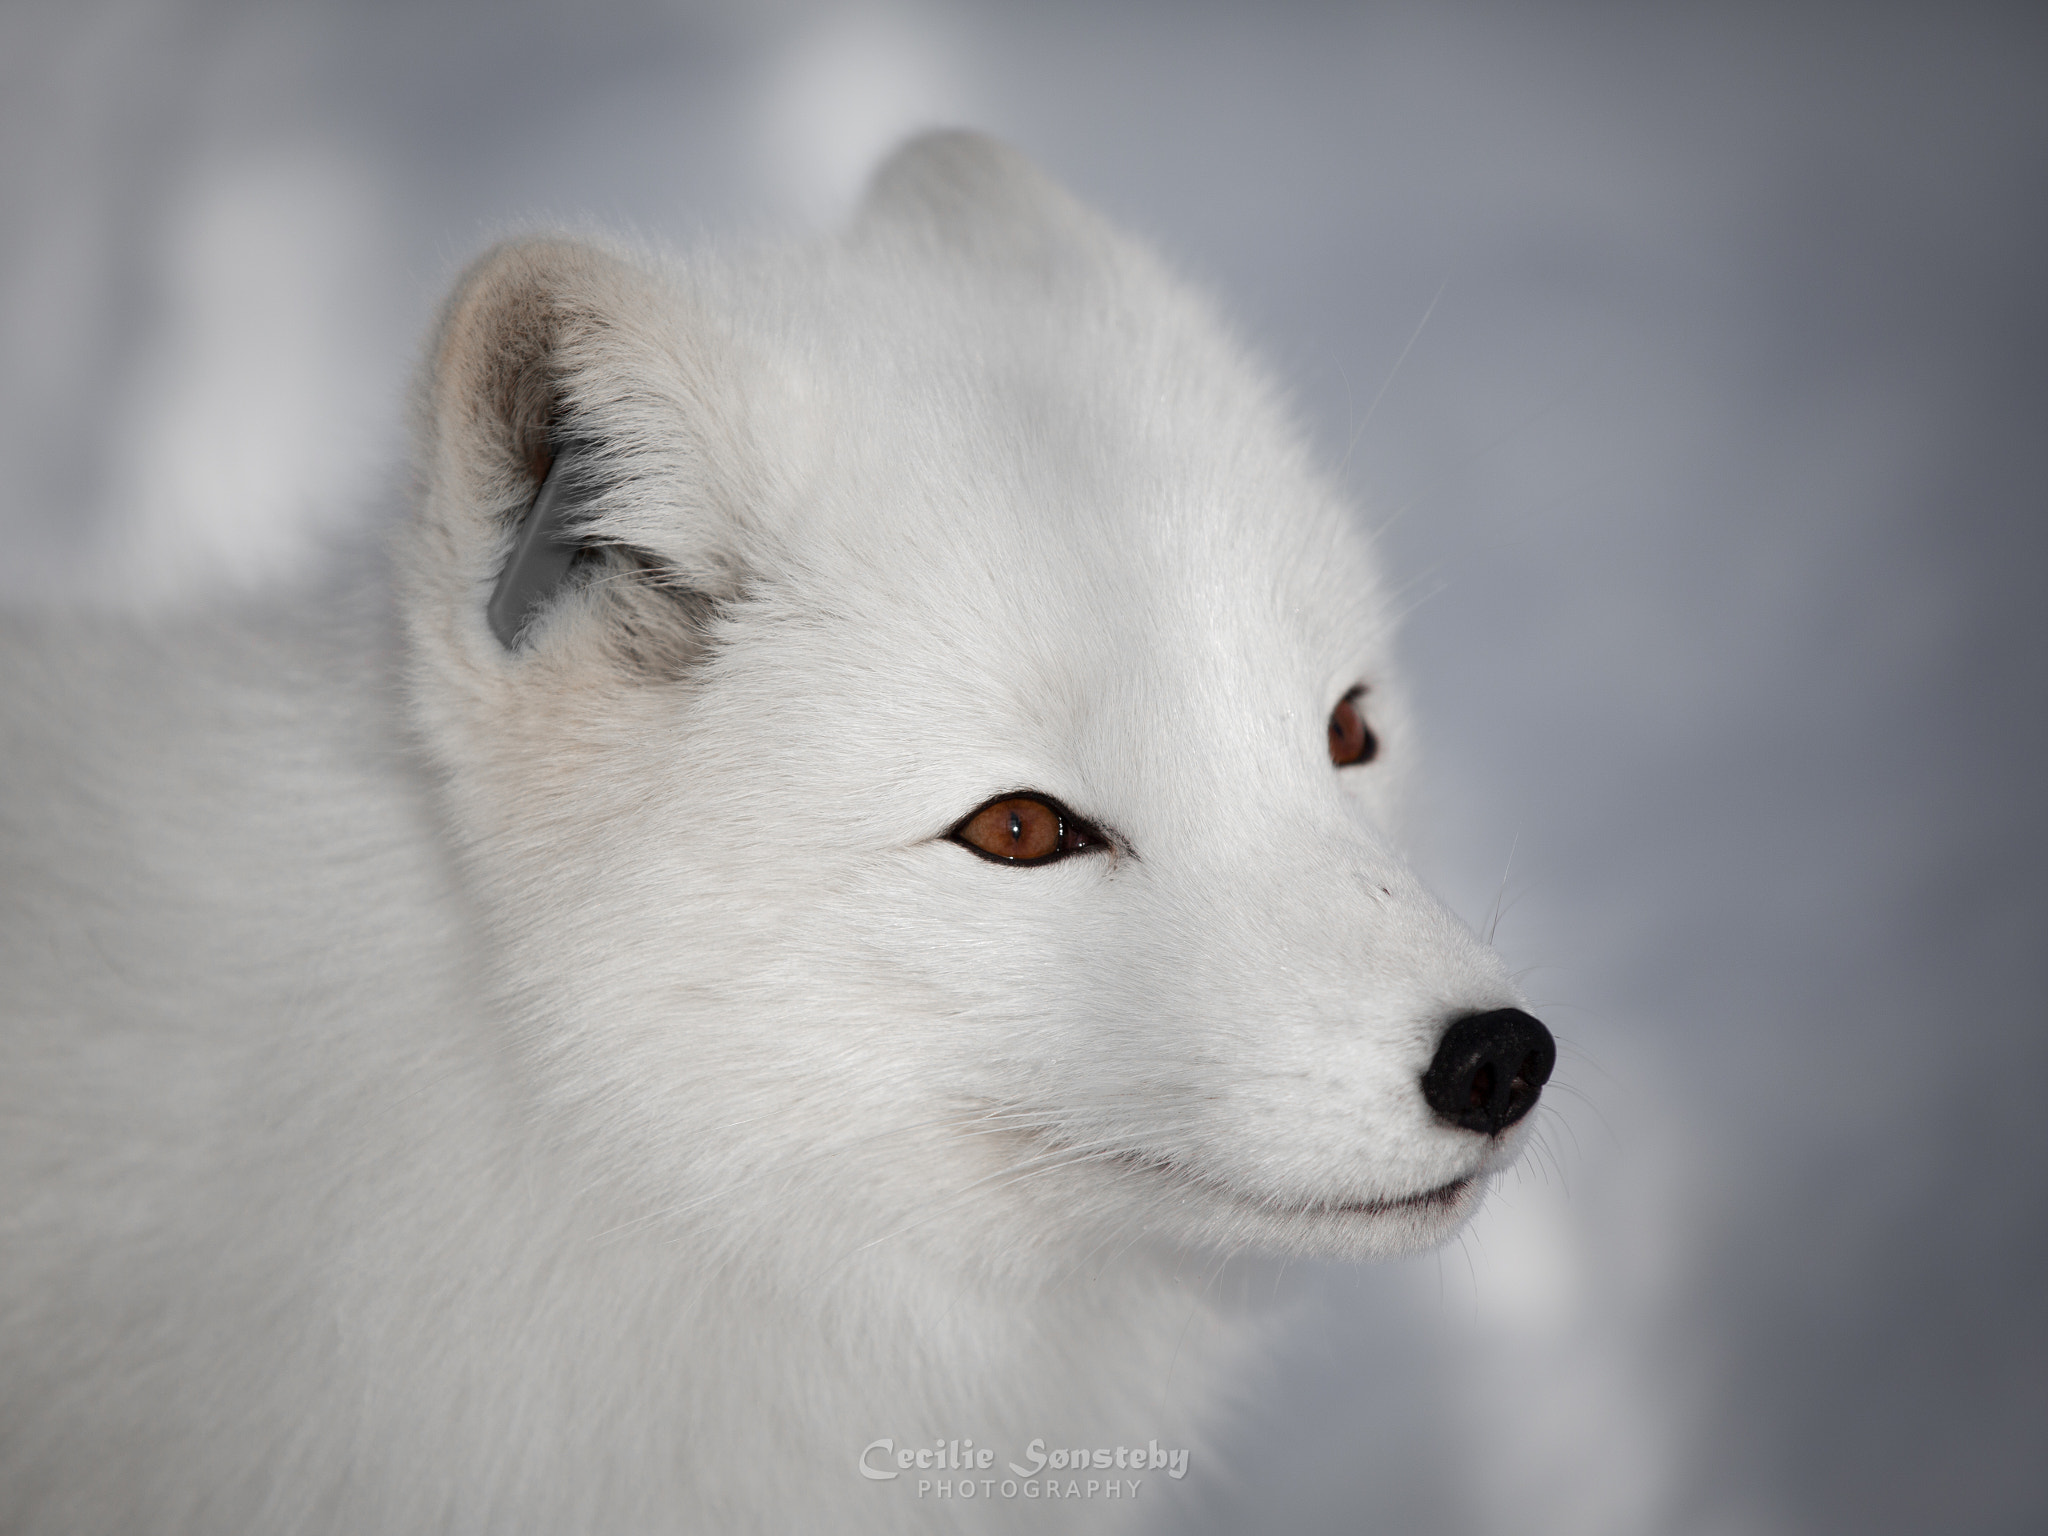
(849, 831)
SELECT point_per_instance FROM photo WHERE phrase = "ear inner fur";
(545, 343)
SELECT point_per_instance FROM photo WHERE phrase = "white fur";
(581, 1088)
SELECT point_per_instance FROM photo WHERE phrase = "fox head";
(921, 736)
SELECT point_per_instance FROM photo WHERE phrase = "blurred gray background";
(1692, 360)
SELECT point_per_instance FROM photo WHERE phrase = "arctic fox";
(845, 837)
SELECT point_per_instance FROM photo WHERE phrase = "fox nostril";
(1489, 1070)
(1482, 1087)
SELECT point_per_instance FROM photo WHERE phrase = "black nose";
(1489, 1069)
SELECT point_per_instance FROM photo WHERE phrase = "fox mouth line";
(1442, 1197)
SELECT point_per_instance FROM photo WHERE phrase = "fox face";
(922, 740)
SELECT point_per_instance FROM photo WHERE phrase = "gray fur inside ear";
(588, 456)
(544, 552)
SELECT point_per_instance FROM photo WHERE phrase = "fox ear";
(585, 463)
(976, 195)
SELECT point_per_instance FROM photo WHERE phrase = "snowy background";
(1717, 468)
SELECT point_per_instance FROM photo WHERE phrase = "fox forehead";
(1121, 427)
(1055, 499)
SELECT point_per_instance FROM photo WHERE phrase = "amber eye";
(1351, 739)
(1023, 829)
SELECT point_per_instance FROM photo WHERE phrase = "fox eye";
(1351, 739)
(1024, 829)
